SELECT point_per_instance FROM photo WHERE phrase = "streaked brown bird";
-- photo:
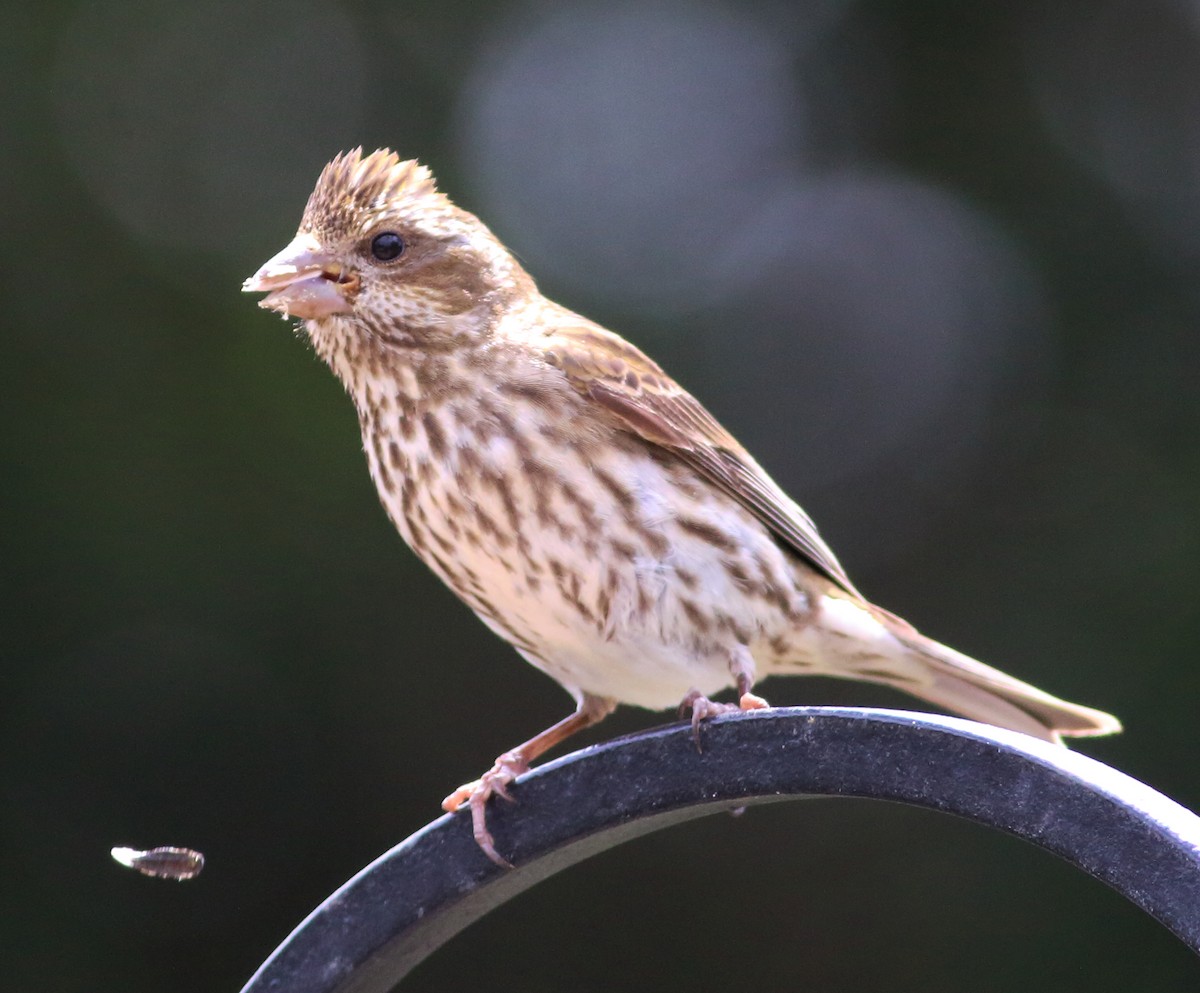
(582, 503)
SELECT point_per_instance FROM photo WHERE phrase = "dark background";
(934, 263)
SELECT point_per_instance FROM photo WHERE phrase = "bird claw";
(700, 707)
(455, 800)
(476, 794)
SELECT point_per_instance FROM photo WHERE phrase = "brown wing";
(645, 400)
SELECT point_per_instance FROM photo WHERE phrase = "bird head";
(381, 248)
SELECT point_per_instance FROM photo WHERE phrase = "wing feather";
(645, 400)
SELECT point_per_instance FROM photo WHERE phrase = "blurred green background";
(934, 263)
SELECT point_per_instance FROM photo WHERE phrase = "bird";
(582, 503)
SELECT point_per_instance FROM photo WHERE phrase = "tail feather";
(982, 693)
(861, 641)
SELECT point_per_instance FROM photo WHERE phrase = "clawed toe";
(512, 764)
(700, 707)
(476, 795)
(483, 837)
(455, 800)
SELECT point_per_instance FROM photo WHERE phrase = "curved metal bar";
(368, 935)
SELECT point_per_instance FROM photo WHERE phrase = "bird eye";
(387, 246)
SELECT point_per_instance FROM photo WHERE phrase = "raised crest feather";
(353, 185)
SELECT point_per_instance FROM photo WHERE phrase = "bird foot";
(700, 707)
(475, 795)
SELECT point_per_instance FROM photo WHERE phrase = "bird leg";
(510, 765)
(741, 665)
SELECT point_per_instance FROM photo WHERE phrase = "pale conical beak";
(302, 281)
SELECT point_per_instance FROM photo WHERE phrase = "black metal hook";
(368, 935)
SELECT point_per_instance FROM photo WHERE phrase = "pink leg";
(510, 765)
(699, 706)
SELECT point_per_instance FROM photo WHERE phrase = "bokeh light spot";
(215, 120)
(628, 140)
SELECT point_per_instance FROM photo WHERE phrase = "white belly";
(597, 583)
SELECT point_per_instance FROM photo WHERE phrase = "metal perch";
(402, 907)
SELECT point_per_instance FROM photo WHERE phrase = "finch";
(581, 502)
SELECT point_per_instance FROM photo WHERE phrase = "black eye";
(387, 246)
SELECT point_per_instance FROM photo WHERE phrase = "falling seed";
(169, 863)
